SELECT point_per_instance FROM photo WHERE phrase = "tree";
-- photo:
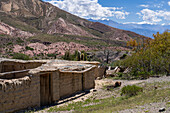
(77, 56)
(67, 56)
(152, 58)
(132, 43)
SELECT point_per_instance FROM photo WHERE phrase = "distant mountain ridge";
(142, 29)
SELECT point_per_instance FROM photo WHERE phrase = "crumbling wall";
(8, 66)
(48, 83)
(69, 83)
(17, 94)
(13, 74)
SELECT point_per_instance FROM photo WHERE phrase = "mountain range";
(37, 28)
(143, 29)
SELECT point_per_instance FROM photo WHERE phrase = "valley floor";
(156, 95)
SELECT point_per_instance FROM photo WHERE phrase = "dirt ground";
(100, 93)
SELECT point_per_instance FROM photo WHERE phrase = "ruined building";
(28, 84)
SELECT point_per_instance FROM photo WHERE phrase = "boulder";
(117, 84)
(162, 109)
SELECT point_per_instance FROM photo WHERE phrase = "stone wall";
(17, 94)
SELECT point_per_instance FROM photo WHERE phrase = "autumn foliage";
(153, 57)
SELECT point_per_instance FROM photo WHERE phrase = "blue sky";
(122, 11)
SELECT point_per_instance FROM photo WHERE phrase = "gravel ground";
(160, 79)
(152, 107)
(148, 108)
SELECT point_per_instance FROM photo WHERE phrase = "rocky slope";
(63, 27)
(58, 48)
(9, 30)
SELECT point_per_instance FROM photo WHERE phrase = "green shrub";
(29, 48)
(20, 56)
(10, 43)
(52, 55)
(19, 40)
(67, 56)
(124, 56)
(131, 90)
(120, 74)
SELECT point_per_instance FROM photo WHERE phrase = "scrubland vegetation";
(151, 58)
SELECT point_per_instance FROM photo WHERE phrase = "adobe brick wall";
(69, 83)
(101, 71)
(14, 75)
(17, 94)
(55, 82)
(96, 70)
(7, 66)
(21, 93)
(0, 67)
(88, 79)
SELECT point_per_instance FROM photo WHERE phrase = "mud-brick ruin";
(35, 83)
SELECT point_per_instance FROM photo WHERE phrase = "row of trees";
(153, 57)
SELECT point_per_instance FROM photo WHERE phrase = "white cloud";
(89, 9)
(154, 16)
(143, 5)
(120, 15)
(149, 15)
(158, 5)
(105, 19)
(169, 3)
(143, 22)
